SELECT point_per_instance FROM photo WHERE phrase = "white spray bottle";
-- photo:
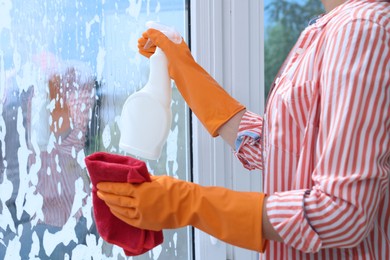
(146, 115)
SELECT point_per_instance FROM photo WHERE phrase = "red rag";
(102, 167)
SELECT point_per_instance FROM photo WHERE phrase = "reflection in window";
(66, 68)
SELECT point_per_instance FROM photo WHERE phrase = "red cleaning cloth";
(117, 168)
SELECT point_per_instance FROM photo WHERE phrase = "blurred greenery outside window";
(284, 21)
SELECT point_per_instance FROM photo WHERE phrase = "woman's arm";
(229, 130)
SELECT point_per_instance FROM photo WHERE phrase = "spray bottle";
(146, 115)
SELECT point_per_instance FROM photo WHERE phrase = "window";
(66, 68)
(226, 39)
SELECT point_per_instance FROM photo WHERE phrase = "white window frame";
(227, 39)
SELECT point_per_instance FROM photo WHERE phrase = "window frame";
(227, 39)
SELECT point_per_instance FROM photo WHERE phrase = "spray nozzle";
(170, 32)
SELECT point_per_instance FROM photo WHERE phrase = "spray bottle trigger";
(170, 32)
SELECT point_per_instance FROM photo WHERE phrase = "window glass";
(284, 21)
(66, 68)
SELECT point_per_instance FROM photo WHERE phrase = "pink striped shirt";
(324, 142)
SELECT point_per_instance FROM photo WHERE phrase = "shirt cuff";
(248, 144)
(286, 213)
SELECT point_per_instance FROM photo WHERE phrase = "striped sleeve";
(248, 142)
(351, 166)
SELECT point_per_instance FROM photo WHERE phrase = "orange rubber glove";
(207, 99)
(165, 203)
